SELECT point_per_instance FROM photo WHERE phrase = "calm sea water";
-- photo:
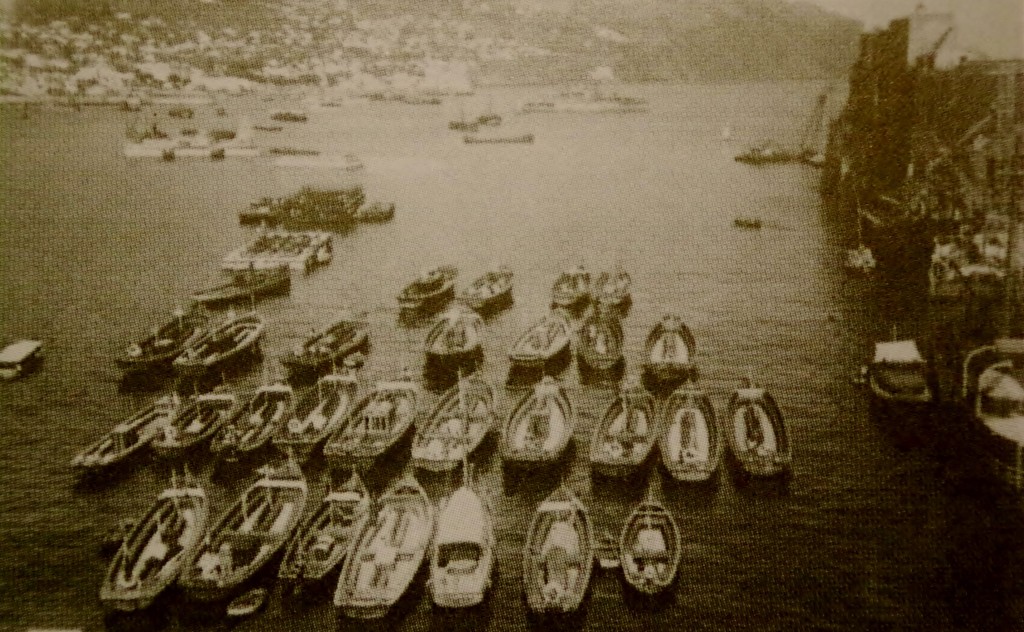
(94, 250)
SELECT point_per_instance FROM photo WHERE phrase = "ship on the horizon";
(585, 101)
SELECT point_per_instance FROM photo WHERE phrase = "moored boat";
(650, 547)
(128, 437)
(691, 441)
(237, 336)
(300, 251)
(758, 436)
(523, 139)
(289, 116)
(149, 559)
(328, 347)
(752, 223)
(430, 290)
(322, 541)
(995, 395)
(571, 288)
(456, 427)
(623, 441)
(196, 422)
(764, 154)
(542, 343)
(165, 343)
(455, 341)
(462, 558)
(249, 534)
(318, 414)
(599, 345)
(247, 285)
(539, 427)
(489, 292)
(614, 289)
(558, 557)
(19, 358)
(387, 552)
(668, 352)
(255, 424)
(898, 378)
(376, 425)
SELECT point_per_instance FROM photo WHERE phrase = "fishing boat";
(898, 378)
(539, 427)
(196, 422)
(651, 545)
(456, 427)
(128, 437)
(599, 345)
(328, 347)
(462, 557)
(235, 337)
(376, 425)
(318, 414)
(691, 440)
(543, 343)
(571, 288)
(623, 441)
(166, 342)
(520, 139)
(430, 290)
(376, 212)
(489, 292)
(387, 552)
(300, 251)
(322, 541)
(150, 557)
(558, 557)
(668, 352)
(289, 116)
(249, 534)
(758, 435)
(455, 341)
(254, 426)
(614, 289)
(748, 223)
(247, 285)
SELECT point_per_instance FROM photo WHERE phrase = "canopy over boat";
(462, 520)
(898, 352)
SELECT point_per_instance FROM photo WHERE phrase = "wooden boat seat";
(284, 518)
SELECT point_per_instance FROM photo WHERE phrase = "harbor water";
(95, 250)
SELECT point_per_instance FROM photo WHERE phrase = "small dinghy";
(128, 437)
(572, 288)
(455, 341)
(149, 559)
(599, 345)
(247, 285)
(540, 426)
(462, 558)
(329, 347)
(318, 414)
(613, 290)
(252, 428)
(691, 441)
(322, 541)
(165, 343)
(248, 535)
(197, 421)
(490, 292)
(758, 437)
(558, 558)
(237, 336)
(651, 545)
(668, 353)
(543, 343)
(430, 290)
(625, 437)
(456, 427)
(387, 552)
(376, 425)
(248, 604)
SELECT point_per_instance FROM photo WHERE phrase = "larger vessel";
(590, 101)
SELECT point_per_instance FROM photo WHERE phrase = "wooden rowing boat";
(668, 353)
(328, 347)
(387, 552)
(255, 424)
(650, 547)
(599, 344)
(128, 437)
(758, 436)
(463, 555)
(691, 441)
(539, 427)
(559, 554)
(625, 437)
(165, 343)
(149, 558)
(198, 419)
(544, 342)
(455, 341)
(456, 427)
(430, 290)
(318, 414)
(247, 536)
(614, 289)
(490, 292)
(571, 288)
(245, 286)
(323, 540)
(234, 338)
(376, 425)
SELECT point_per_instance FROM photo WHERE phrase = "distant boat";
(758, 435)
(376, 212)
(614, 289)
(651, 547)
(571, 288)
(765, 154)
(489, 292)
(585, 102)
(898, 379)
(430, 290)
(558, 556)
(625, 436)
(749, 223)
(539, 427)
(456, 427)
(289, 116)
(463, 552)
(691, 442)
(499, 140)
(388, 551)
(543, 343)
(375, 425)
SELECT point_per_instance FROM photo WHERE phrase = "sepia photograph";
(511, 315)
